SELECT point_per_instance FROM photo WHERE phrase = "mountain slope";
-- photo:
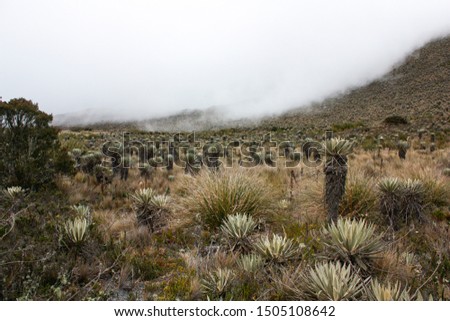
(418, 89)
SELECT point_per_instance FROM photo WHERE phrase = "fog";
(134, 59)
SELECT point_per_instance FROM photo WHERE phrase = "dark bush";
(396, 120)
(31, 153)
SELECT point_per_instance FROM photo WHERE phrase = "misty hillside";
(417, 89)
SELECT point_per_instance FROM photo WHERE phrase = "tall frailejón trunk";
(335, 177)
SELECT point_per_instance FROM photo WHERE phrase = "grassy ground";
(189, 258)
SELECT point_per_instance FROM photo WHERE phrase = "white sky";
(150, 58)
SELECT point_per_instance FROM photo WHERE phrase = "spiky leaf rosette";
(13, 193)
(250, 263)
(387, 292)
(237, 229)
(76, 230)
(149, 206)
(331, 282)
(390, 198)
(83, 211)
(142, 198)
(413, 194)
(216, 283)
(401, 200)
(335, 169)
(403, 145)
(160, 201)
(277, 249)
(353, 242)
(337, 147)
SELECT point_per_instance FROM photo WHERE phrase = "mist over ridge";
(111, 61)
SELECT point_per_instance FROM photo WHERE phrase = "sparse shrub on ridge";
(396, 120)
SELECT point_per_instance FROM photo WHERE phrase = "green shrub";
(369, 143)
(396, 120)
(179, 286)
(31, 154)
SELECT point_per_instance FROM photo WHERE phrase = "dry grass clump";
(436, 187)
(359, 198)
(215, 195)
(311, 209)
(398, 266)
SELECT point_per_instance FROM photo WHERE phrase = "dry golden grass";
(292, 205)
(391, 264)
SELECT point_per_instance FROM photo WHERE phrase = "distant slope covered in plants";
(417, 90)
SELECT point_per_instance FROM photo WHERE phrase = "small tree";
(30, 151)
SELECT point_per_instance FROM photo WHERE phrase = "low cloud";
(136, 59)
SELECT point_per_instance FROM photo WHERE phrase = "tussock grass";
(214, 196)
(360, 198)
